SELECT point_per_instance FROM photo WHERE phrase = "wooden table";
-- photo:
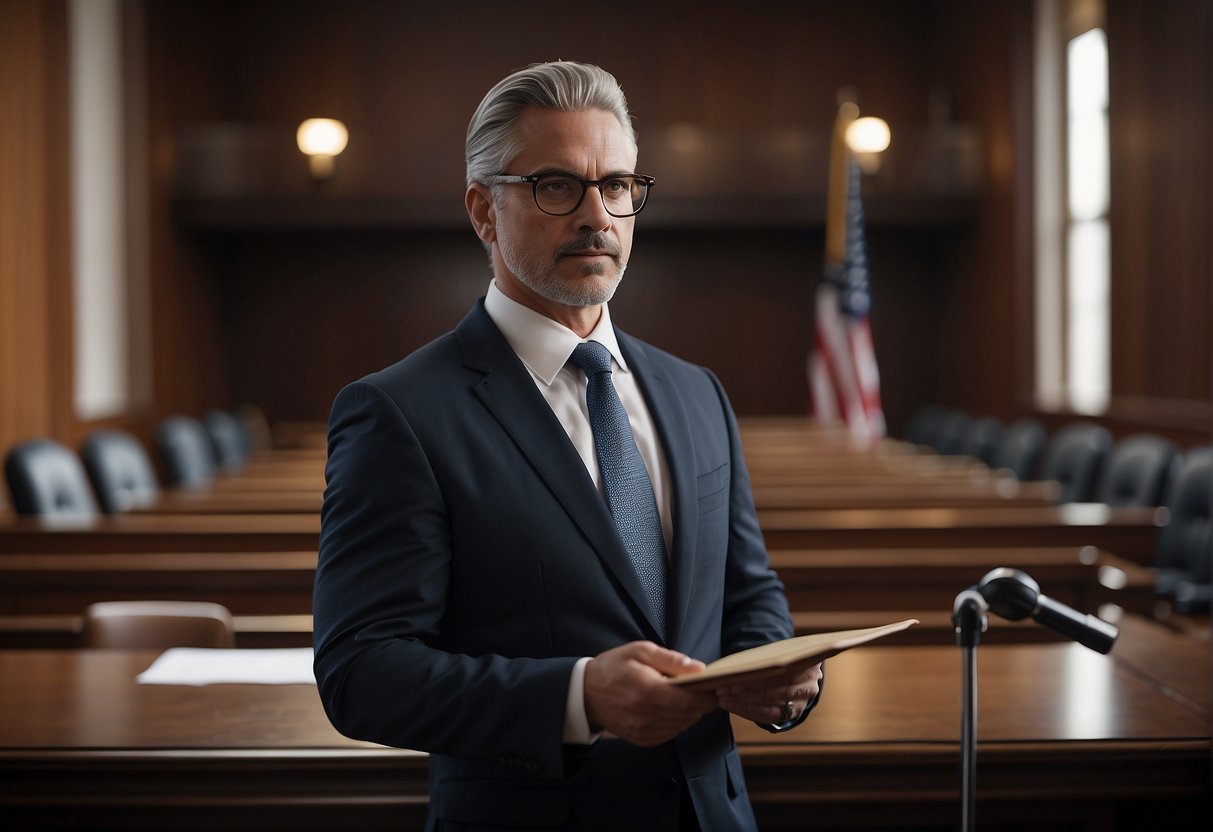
(1065, 735)
(245, 582)
(228, 501)
(929, 579)
(273, 582)
(1131, 533)
(880, 494)
(883, 494)
(163, 533)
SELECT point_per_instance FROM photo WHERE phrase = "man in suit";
(491, 589)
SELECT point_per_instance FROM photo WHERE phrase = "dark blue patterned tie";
(629, 491)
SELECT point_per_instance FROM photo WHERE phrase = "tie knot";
(592, 357)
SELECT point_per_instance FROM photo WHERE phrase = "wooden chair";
(157, 625)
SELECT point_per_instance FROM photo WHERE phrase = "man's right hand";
(627, 693)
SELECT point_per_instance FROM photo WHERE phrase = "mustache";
(593, 241)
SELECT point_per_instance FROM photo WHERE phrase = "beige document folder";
(770, 660)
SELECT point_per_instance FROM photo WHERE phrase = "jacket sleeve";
(379, 599)
(756, 607)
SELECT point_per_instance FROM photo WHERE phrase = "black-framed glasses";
(559, 194)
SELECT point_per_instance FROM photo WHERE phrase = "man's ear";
(482, 211)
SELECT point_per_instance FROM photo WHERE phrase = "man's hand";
(626, 693)
(774, 701)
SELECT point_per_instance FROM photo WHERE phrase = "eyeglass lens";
(559, 194)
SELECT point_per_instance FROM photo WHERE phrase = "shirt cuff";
(576, 723)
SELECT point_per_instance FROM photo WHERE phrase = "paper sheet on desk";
(208, 666)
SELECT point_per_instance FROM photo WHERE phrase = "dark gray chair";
(1073, 458)
(256, 428)
(981, 440)
(1138, 470)
(185, 452)
(1185, 543)
(952, 431)
(1020, 448)
(229, 439)
(924, 424)
(45, 478)
(120, 469)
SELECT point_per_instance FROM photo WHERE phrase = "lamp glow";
(868, 135)
(322, 139)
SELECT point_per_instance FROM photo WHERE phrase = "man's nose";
(592, 213)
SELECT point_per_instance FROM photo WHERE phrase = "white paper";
(208, 666)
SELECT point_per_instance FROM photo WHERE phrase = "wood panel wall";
(185, 51)
(305, 311)
(283, 314)
(35, 322)
(1161, 113)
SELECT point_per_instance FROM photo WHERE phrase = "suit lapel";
(670, 418)
(509, 394)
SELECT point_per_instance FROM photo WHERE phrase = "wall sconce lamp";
(868, 137)
(321, 139)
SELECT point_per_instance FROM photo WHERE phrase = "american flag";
(844, 381)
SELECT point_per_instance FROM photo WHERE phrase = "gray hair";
(560, 85)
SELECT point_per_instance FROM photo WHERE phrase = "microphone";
(1013, 595)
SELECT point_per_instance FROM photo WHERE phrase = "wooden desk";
(163, 533)
(269, 582)
(88, 748)
(987, 493)
(63, 631)
(1131, 533)
(1056, 745)
(1065, 735)
(244, 582)
(929, 579)
(229, 501)
(835, 495)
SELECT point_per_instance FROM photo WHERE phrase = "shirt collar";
(544, 345)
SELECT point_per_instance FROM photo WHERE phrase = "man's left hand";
(773, 701)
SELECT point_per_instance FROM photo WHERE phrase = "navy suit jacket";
(467, 561)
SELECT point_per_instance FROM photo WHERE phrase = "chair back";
(981, 440)
(46, 478)
(1020, 448)
(120, 470)
(1185, 543)
(923, 425)
(1138, 470)
(1074, 457)
(185, 452)
(256, 427)
(952, 431)
(157, 625)
(228, 438)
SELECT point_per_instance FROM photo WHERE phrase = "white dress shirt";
(544, 346)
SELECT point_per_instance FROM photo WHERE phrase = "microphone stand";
(1011, 594)
(969, 619)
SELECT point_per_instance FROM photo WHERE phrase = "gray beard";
(542, 278)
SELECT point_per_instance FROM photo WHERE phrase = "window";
(111, 318)
(1073, 370)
